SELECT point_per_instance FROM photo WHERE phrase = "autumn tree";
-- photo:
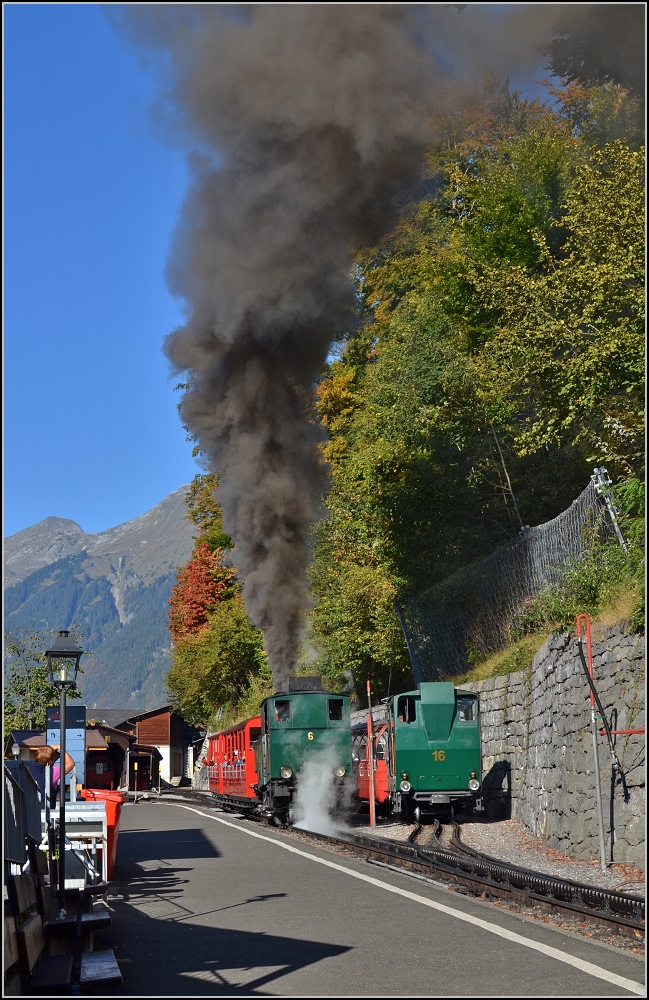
(202, 584)
(217, 654)
(27, 690)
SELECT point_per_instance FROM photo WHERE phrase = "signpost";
(75, 735)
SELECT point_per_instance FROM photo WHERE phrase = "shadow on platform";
(191, 960)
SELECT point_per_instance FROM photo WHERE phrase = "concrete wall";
(165, 763)
(538, 748)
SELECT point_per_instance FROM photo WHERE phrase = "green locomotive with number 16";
(427, 753)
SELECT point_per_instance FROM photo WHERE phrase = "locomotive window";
(335, 708)
(466, 709)
(282, 711)
(406, 710)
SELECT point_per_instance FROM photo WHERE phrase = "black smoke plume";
(600, 43)
(305, 121)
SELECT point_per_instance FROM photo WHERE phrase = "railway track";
(468, 871)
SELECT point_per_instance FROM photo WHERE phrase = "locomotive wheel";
(416, 815)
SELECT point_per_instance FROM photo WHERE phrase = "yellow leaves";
(336, 396)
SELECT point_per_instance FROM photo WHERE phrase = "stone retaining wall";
(538, 747)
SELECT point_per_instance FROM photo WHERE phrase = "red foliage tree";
(202, 583)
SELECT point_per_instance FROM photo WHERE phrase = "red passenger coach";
(361, 762)
(231, 760)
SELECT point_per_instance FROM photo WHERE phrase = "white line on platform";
(560, 956)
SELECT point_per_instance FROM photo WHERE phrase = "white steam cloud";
(316, 807)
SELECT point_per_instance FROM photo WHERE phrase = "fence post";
(602, 481)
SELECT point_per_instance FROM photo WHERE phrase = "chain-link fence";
(474, 609)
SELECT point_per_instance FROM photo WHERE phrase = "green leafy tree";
(28, 692)
(203, 511)
(567, 354)
(600, 114)
(441, 412)
(215, 665)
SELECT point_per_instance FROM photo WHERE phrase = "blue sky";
(91, 195)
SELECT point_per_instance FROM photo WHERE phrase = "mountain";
(115, 585)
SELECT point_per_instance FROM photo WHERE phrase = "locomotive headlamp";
(286, 772)
(405, 786)
(339, 771)
(474, 785)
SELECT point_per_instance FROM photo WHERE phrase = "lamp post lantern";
(62, 668)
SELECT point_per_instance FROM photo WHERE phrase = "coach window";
(335, 708)
(359, 748)
(406, 710)
(282, 711)
(381, 745)
(254, 734)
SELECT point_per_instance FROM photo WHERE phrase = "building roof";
(94, 739)
(136, 716)
(34, 738)
(120, 737)
(147, 749)
(19, 736)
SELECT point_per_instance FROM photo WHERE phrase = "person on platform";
(47, 756)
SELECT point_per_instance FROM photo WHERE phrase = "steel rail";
(579, 892)
(498, 878)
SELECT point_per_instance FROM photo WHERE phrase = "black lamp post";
(62, 667)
